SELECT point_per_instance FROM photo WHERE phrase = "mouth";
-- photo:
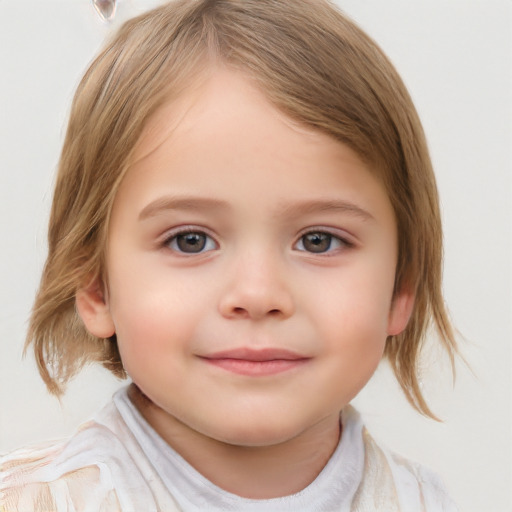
(251, 362)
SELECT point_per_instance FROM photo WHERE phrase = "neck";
(278, 469)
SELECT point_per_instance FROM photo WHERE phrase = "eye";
(191, 242)
(320, 242)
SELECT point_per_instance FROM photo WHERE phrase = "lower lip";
(256, 368)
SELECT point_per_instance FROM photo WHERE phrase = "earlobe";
(401, 310)
(94, 311)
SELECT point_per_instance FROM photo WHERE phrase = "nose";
(257, 288)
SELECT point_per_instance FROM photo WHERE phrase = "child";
(245, 221)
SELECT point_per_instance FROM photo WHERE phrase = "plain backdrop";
(455, 57)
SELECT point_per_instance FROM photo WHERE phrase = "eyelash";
(341, 242)
(172, 241)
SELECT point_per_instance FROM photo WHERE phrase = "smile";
(256, 363)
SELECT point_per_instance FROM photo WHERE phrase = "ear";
(94, 311)
(401, 310)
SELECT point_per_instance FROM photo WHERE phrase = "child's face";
(251, 265)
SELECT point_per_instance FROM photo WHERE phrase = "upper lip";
(251, 354)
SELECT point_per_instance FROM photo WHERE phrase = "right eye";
(191, 242)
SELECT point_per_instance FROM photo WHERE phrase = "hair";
(314, 65)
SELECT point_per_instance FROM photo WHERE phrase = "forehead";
(218, 92)
(221, 136)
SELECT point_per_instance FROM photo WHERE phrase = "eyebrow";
(326, 205)
(294, 209)
(163, 204)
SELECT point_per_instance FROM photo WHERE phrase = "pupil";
(317, 242)
(191, 242)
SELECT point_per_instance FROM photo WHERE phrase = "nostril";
(245, 313)
(255, 303)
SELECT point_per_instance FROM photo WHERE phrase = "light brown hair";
(313, 64)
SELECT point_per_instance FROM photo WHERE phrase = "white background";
(455, 57)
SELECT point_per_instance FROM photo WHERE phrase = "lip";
(252, 362)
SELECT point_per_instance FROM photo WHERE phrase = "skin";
(248, 184)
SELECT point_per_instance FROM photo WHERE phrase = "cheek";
(354, 350)
(152, 319)
(358, 301)
(352, 318)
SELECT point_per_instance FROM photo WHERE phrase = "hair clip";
(105, 8)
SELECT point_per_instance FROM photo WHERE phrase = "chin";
(256, 433)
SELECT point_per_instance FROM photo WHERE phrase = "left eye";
(191, 242)
(319, 242)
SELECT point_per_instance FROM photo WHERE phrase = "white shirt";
(117, 462)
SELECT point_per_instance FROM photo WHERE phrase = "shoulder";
(101, 467)
(391, 482)
(58, 476)
(429, 486)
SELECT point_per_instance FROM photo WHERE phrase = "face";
(251, 266)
